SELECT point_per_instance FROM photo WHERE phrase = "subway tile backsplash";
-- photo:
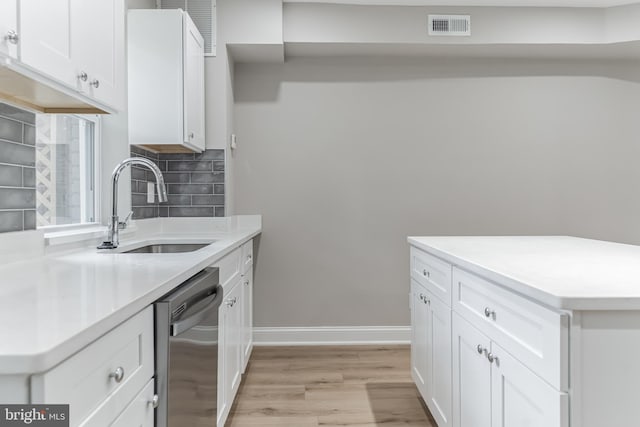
(17, 169)
(195, 184)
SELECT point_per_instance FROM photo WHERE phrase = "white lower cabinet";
(235, 319)
(431, 352)
(106, 377)
(493, 389)
(140, 412)
(230, 345)
(247, 317)
(482, 356)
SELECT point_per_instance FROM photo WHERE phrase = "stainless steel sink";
(167, 248)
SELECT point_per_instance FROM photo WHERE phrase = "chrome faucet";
(113, 238)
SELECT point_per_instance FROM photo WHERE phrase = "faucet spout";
(113, 237)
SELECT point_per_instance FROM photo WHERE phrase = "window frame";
(96, 119)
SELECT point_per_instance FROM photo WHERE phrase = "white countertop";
(52, 306)
(559, 271)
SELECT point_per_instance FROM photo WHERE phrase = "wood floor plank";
(362, 386)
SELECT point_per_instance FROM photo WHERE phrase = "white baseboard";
(332, 335)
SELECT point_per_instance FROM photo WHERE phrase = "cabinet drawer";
(433, 273)
(247, 256)
(116, 411)
(230, 267)
(535, 335)
(83, 381)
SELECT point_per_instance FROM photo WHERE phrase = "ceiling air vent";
(203, 14)
(449, 25)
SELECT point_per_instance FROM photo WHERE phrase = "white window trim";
(88, 227)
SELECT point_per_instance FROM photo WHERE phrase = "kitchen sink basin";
(167, 248)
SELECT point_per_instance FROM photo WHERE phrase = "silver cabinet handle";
(421, 297)
(492, 358)
(489, 313)
(192, 135)
(12, 37)
(155, 400)
(83, 76)
(426, 273)
(118, 374)
(95, 83)
(229, 303)
(480, 348)
(249, 257)
(246, 283)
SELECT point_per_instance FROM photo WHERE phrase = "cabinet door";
(471, 376)
(247, 318)
(140, 411)
(46, 39)
(230, 350)
(521, 398)
(98, 46)
(420, 352)
(193, 86)
(439, 344)
(8, 26)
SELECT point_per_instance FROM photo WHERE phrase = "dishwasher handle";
(208, 304)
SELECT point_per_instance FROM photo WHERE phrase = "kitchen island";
(535, 331)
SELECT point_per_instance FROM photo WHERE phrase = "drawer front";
(433, 273)
(247, 256)
(116, 411)
(230, 267)
(535, 335)
(87, 379)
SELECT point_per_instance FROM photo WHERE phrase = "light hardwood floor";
(329, 386)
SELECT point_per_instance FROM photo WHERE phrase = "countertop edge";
(556, 302)
(31, 364)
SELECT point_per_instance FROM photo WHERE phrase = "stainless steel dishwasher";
(186, 333)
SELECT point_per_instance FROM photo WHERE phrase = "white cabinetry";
(500, 361)
(77, 43)
(9, 28)
(492, 388)
(431, 351)
(231, 345)
(235, 324)
(100, 381)
(140, 412)
(247, 302)
(166, 81)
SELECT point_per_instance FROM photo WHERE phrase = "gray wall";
(346, 158)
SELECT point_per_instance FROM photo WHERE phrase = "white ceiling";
(538, 3)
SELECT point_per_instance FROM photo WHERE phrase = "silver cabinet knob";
(83, 76)
(192, 135)
(229, 303)
(95, 83)
(480, 349)
(421, 297)
(426, 273)
(12, 37)
(492, 358)
(489, 313)
(118, 374)
(249, 257)
(155, 400)
(246, 283)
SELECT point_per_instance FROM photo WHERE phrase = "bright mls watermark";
(34, 415)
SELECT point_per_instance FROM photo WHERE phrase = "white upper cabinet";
(9, 28)
(193, 85)
(46, 30)
(100, 49)
(67, 55)
(166, 81)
